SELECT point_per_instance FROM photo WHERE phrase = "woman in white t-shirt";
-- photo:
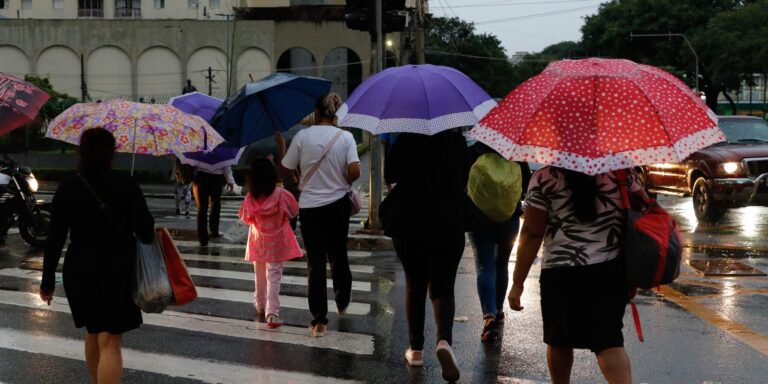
(324, 206)
(580, 222)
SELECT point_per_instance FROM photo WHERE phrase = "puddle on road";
(694, 289)
(728, 253)
(724, 267)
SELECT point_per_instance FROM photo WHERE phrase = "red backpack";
(652, 248)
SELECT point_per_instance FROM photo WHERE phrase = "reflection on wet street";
(723, 275)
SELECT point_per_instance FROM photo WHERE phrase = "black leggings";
(324, 230)
(430, 263)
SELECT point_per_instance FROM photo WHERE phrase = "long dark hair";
(584, 189)
(97, 150)
(262, 177)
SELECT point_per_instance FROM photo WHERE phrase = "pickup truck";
(733, 173)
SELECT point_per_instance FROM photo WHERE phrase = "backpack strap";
(636, 317)
(315, 167)
(621, 178)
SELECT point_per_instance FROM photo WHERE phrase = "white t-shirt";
(329, 183)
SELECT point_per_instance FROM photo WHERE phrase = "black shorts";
(583, 307)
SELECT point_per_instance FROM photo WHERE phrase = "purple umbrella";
(196, 103)
(424, 99)
(219, 158)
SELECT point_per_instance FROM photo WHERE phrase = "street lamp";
(669, 35)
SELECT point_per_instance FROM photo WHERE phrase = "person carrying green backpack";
(495, 186)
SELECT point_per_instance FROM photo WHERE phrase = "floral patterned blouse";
(568, 243)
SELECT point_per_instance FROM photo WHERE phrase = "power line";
(444, 53)
(537, 15)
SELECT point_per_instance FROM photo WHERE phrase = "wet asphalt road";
(698, 330)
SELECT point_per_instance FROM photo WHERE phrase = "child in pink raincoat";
(267, 209)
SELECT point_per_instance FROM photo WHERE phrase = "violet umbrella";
(196, 103)
(424, 99)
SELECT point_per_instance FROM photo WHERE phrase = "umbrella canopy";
(274, 103)
(20, 102)
(196, 103)
(599, 115)
(424, 99)
(219, 158)
(151, 129)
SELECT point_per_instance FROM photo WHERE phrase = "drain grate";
(724, 267)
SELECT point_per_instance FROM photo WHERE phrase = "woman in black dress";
(101, 255)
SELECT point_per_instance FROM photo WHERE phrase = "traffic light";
(361, 15)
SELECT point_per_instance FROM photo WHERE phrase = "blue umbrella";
(274, 103)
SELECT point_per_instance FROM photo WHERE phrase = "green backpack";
(495, 185)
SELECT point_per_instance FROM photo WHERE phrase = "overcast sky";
(521, 25)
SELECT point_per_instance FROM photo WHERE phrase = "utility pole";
(83, 85)
(377, 148)
(669, 35)
(210, 81)
(419, 38)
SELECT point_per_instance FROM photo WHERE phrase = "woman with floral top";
(580, 223)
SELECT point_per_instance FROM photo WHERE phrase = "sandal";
(273, 321)
(490, 330)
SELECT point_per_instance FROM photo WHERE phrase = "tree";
(607, 34)
(737, 41)
(455, 43)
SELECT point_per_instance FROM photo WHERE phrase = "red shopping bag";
(181, 284)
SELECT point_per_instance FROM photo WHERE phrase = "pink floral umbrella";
(599, 115)
(20, 102)
(145, 129)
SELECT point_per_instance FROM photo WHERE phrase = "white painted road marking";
(362, 286)
(205, 370)
(192, 243)
(239, 260)
(295, 302)
(340, 341)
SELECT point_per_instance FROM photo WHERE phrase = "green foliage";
(455, 43)
(449, 42)
(31, 136)
(607, 34)
(737, 42)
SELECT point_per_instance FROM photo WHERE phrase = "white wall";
(197, 69)
(108, 71)
(159, 72)
(62, 66)
(14, 62)
(255, 62)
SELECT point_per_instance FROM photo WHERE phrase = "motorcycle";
(19, 206)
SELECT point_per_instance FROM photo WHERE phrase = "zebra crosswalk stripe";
(286, 334)
(205, 370)
(358, 268)
(296, 302)
(362, 286)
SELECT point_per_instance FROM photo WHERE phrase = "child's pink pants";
(267, 294)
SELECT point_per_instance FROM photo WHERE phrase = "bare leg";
(111, 358)
(615, 365)
(560, 361)
(92, 355)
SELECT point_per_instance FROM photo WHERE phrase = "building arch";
(61, 64)
(15, 61)
(343, 67)
(197, 70)
(159, 72)
(109, 73)
(299, 61)
(254, 63)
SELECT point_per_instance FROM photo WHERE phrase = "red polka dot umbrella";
(599, 115)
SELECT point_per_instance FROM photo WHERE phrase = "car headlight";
(32, 183)
(731, 167)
